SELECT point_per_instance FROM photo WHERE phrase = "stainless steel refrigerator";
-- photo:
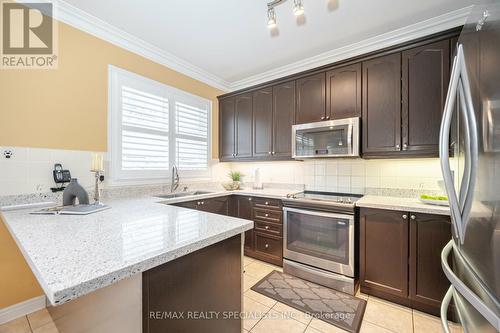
(471, 173)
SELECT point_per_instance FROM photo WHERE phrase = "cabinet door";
(311, 92)
(283, 119)
(426, 71)
(384, 253)
(215, 205)
(187, 204)
(263, 122)
(243, 111)
(382, 105)
(244, 211)
(343, 92)
(428, 284)
(227, 129)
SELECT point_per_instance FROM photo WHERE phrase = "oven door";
(319, 239)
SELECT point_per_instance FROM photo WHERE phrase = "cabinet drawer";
(269, 245)
(267, 215)
(268, 228)
(267, 203)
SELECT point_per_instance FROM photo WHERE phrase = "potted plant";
(236, 177)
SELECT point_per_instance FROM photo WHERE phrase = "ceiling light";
(271, 18)
(298, 8)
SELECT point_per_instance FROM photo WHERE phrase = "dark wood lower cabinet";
(428, 284)
(207, 281)
(384, 253)
(265, 241)
(400, 257)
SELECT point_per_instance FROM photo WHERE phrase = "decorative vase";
(75, 191)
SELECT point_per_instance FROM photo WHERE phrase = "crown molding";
(82, 20)
(421, 29)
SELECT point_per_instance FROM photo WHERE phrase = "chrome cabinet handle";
(405, 217)
(398, 146)
(203, 202)
(413, 217)
(266, 227)
(267, 202)
(269, 152)
(327, 117)
(198, 203)
(322, 118)
(405, 146)
(249, 199)
(273, 153)
(266, 246)
(266, 215)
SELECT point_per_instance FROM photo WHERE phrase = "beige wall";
(66, 108)
(17, 283)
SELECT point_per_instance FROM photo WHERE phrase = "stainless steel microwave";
(331, 138)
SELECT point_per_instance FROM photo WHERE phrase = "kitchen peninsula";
(135, 267)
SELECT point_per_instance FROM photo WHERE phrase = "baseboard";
(22, 309)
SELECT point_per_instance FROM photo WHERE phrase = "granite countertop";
(75, 255)
(405, 204)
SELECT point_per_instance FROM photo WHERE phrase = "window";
(152, 127)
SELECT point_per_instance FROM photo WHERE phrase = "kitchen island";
(140, 266)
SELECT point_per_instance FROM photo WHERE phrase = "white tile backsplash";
(348, 175)
(29, 170)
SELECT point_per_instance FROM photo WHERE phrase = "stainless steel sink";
(182, 194)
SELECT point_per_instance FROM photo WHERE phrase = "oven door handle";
(323, 214)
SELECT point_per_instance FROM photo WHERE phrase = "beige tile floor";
(265, 315)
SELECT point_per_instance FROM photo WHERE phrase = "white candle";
(97, 162)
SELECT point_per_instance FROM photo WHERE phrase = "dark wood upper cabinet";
(425, 76)
(227, 129)
(428, 284)
(263, 122)
(382, 105)
(384, 252)
(343, 92)
(243, 115)
(283, 119)
(311, 99)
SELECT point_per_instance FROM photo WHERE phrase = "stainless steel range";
(319, 238)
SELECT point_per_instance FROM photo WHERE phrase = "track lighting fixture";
(298, 9)
(271, 18)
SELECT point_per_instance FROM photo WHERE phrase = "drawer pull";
(413, 217)
(266, 227)
(249, 199)
(266, 246)
(405, 216)
(266, 215)
(267, 202)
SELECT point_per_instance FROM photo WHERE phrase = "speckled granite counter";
(403, 204)
(75, 255)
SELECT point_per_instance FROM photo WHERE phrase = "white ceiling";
(230, 39)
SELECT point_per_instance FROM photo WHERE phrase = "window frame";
(117, 77)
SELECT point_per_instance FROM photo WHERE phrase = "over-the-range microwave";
(330, 138)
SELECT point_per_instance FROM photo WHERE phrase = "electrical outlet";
(8, 153)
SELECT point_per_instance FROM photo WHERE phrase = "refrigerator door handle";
(473, 150)
(460, 206)
(462, 289)
(444, 310)
(444, 141)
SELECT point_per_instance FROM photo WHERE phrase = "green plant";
(235, 176)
